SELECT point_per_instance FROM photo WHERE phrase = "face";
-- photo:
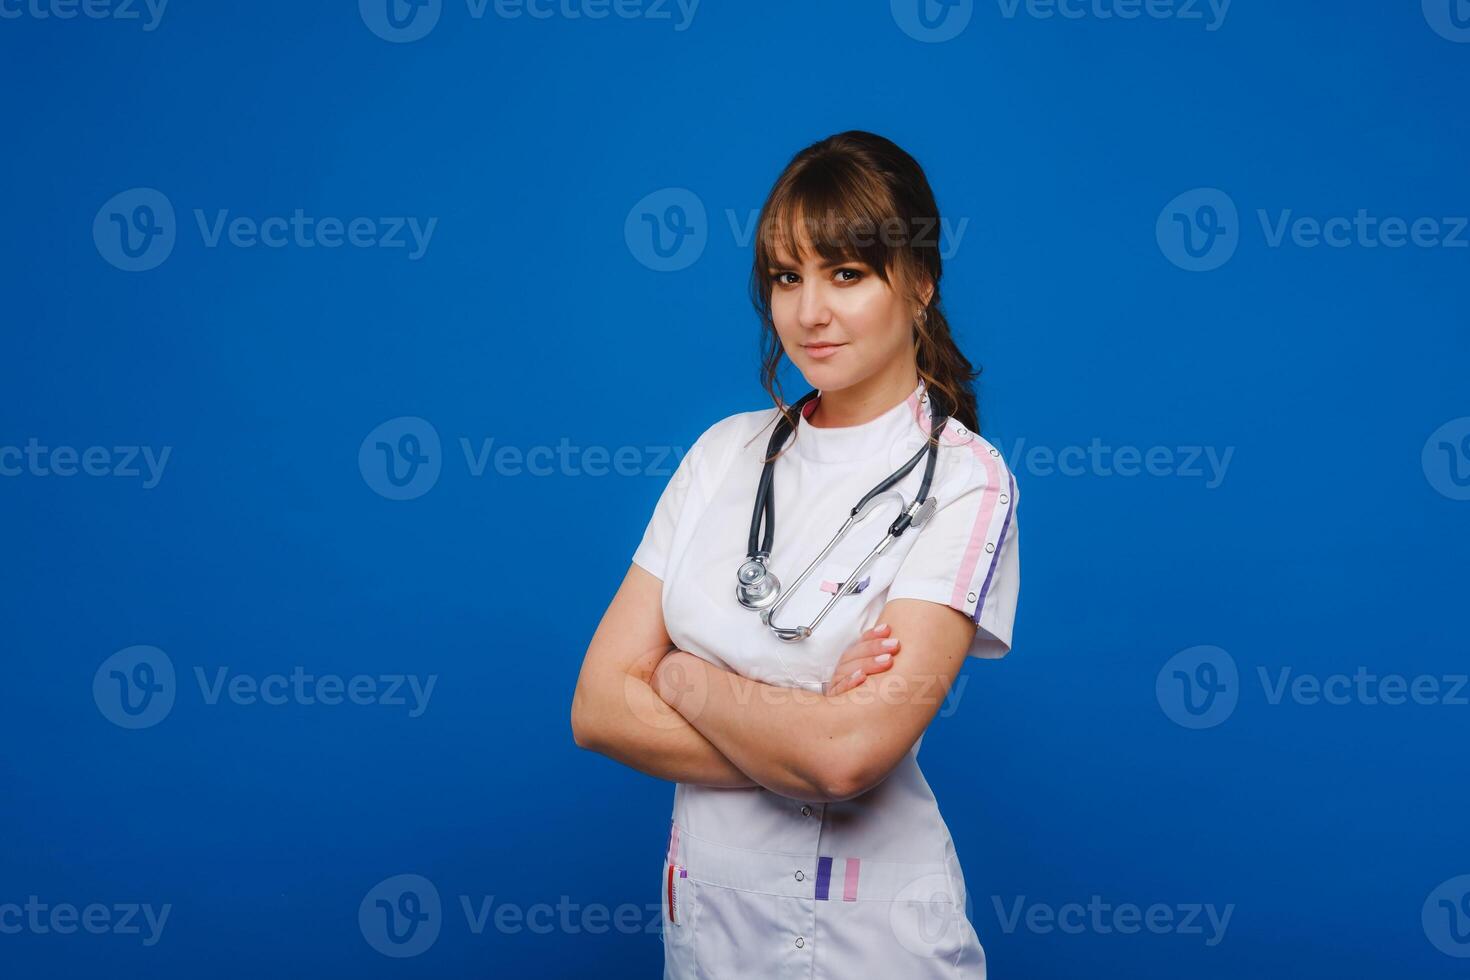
(839, 323)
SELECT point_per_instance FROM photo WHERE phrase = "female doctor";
(806, 591)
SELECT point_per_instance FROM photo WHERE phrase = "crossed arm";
(676, 716)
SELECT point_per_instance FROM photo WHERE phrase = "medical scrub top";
(756, 884)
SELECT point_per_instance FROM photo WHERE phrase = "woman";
(805, 841)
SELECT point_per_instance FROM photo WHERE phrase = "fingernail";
(855, 675)
(881, 626)
(883, 658)
(889, 644)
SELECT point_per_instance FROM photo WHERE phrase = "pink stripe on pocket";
(849, 884)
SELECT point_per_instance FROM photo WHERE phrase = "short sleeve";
(967, 555)
(689, 480)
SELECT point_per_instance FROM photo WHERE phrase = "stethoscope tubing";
(759, 546)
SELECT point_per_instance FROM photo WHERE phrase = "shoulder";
(749, 431)
(719, 444)
(969, 463)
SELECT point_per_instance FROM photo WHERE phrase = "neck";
(865, 400)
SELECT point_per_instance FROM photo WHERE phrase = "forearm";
(633, 725)
(789, 740)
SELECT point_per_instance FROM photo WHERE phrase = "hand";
(873, 653)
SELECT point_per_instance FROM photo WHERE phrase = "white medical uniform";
(755, 884)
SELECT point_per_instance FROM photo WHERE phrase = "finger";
(859, 653)
(847, 683)
(855, 672)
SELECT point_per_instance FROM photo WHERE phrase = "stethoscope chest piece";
(757, 586)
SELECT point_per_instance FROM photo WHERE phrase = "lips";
(822, 350)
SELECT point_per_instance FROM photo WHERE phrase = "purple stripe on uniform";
(1004, 527)
(824, 877)
(683, 872)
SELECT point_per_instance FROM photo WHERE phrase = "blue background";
(531, 319)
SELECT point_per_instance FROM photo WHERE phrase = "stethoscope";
(757, 587)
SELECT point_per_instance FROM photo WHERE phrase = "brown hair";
(861, 197)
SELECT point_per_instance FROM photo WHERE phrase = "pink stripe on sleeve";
(990, 497)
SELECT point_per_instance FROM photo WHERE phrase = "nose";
(812, 309)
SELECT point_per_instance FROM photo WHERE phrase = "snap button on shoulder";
(806, 811)
(800, 942)
(800, 876)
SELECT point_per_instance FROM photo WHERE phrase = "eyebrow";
(828, 264)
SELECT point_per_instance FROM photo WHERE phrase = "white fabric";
(742, 910)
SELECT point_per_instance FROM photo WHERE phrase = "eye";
(848, 271)
(779, 278)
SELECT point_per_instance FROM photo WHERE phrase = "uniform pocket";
(677, 898)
